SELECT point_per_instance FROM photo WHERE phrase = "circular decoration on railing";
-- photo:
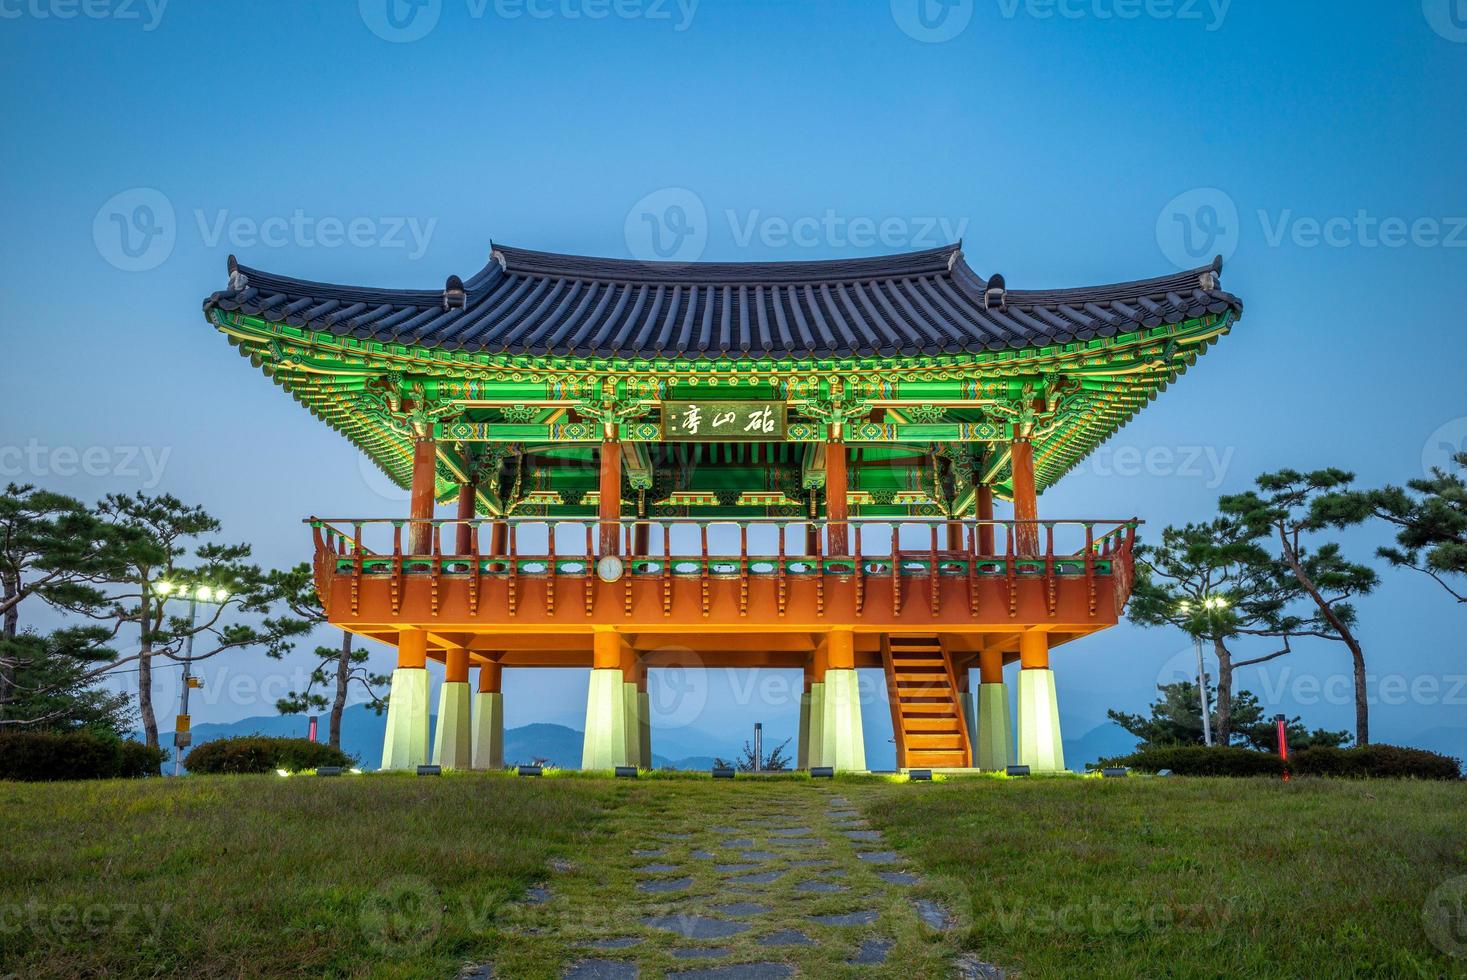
(609, 568)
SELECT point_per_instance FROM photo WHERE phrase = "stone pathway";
(793, 882)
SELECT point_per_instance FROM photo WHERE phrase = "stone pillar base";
(816, 726)
(993, 734)
(644, 715)
(405, 745)
(1040, 747)
(488, 730)
(844, 743)
(606, 721)
(452, 742)
(802, 751)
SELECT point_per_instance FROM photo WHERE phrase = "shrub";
(1369, 761)
(259, 753)
(52, 756)
(1376, 761)
(1202, 760)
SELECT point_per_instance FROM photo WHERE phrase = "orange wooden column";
(983, 498)
(456, 665)
(610, 498)
(467, 508)
(837, 504)
(420, 500)
(412, 649)
(990, 666)
(491, 678)
(1026, 503)
(1034, 651)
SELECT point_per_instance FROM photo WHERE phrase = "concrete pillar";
(843, 741)
(452, 742)
(611, 728)
(405, 745)
(993, 736)
(1039, 744)
(488, 723)
(802, 753)
(644, 717)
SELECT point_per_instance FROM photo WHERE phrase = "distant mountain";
(1101, 742)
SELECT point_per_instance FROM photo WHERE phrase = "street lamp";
(1212, 603)
(203, 593)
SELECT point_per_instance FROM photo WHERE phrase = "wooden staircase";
(926, 713)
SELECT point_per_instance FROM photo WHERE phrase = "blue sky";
(1318, 145)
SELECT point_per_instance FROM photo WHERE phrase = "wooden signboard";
(726, 421)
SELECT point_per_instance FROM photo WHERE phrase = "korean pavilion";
(619, 466)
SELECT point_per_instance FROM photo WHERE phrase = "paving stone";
(677, 836)
(839, 801)
(933, 914)
(846, 919)
(971, 967)
(864, 834)
(838, 815)
(871, 952)
(791, 832)
(739, 842)
(696, 926)
(701, 855)
(740, 910)
(697, 952)
(649, 852)
(560, 865)
(879, 857)
(655, 869)
(786, 937)
(762, 878)
(899, 877)
(808, 862)
(758, 856)
(602, 970)
(740, 971)
(538, 895)
(821, 887)
(479, 971)
(733, 868)
(621, 942)
(726, 830)
(664, 885)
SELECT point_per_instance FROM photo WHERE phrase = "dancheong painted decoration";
(788, 464)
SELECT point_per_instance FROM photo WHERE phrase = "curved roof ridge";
(523, 261)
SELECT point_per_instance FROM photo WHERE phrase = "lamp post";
(1212, 603)
(203, 593)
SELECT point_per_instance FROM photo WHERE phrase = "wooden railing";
(704, 549)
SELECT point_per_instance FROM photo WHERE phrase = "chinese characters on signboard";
(724, 421)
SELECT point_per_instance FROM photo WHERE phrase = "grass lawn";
(402, 876)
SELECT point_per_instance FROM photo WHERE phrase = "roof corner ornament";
(237, 279)
(1211, 275)
(454, 297)
(996, 294)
